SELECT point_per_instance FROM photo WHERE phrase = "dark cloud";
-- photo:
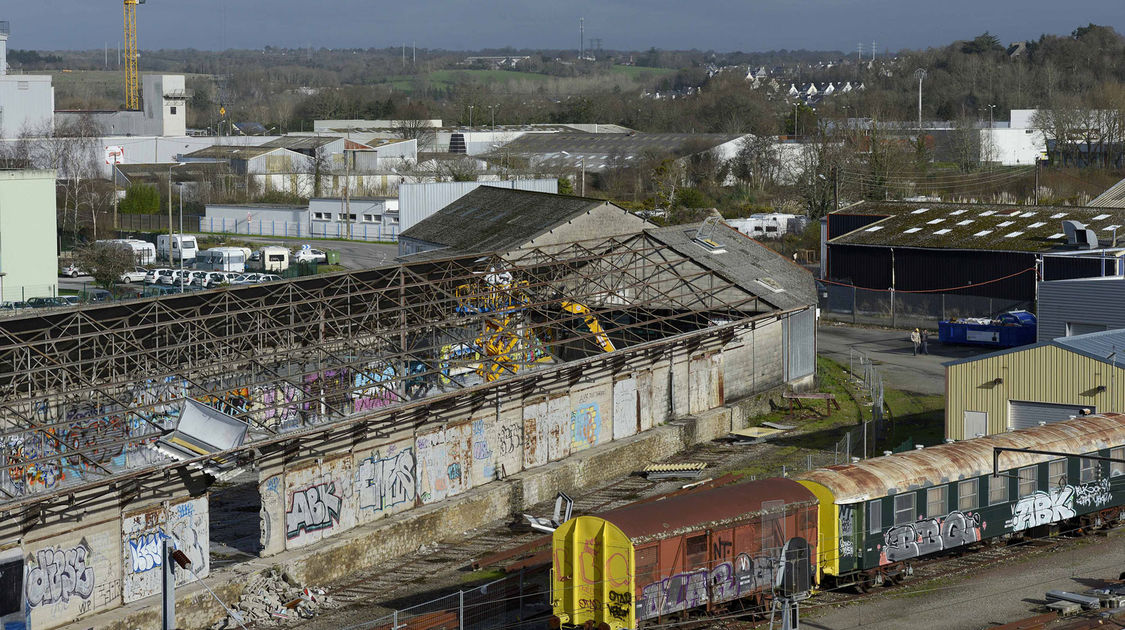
(627, 24)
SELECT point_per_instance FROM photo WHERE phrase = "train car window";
(1117, 468)
(904, 508)
(696, 551)
(1029, 480)
(875, 516)
(997, 489)
(937, 501)
(1088, 471)
(1056, 476)
(967, 495)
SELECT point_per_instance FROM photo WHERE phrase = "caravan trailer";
(144, 253)
(189, 247)
(223, 259)
(274, 259)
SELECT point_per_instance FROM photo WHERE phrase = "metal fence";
(906, 310)
(153, 222)
(510, 602)
(360, 231)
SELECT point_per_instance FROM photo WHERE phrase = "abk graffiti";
(1042, 508)
(56, 575)
(313, 509)
(930, 536)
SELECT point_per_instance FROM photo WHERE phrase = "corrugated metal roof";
(227, 152)
(991, 227)
(1113, 197)
(744, 261)
(299, 143)
(598, 152)
(492, 219)
(705, 508)
(946, 463)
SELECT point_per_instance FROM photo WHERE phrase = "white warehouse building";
(27, 101)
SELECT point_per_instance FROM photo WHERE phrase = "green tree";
(565, 187)
(105, 262)
(140, 199)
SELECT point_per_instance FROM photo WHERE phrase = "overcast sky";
(724, 25)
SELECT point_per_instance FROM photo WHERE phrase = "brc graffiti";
(930, 536)
(727, 581)
(314, 508)
(587, 425)
(384, 483)
(1042, 508)
(58, 575)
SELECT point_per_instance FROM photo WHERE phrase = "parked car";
(70, 300)
(71, 271)
(247, 278)
(269, 277)
(310, 255)
(153, 276)
(13, 306)
(46, 302)
(95, 296)
(138, 274)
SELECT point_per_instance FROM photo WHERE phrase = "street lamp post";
(492, 110)
(920, 74)
(180, 186)
(795, 105)
(990, 108)
(470, 116)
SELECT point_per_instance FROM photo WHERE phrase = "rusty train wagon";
(647, 561)
(878, 515)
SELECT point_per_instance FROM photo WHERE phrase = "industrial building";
(418, 201)
(992, 251)
(1079, 306)
(594, 153)
(164, 112)
(27, 101)
(1043, 383)
(501, 219)
(372, 219)
(354, 396)
(29, 252)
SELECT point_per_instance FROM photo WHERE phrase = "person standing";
(925, 342)
(916, 339)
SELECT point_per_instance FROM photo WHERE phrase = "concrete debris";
(273, 598)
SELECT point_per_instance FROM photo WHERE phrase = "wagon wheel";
(864, 582)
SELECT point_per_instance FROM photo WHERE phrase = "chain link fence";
(906, 310)
(515, 601)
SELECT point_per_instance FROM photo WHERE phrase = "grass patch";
(330, 268)
(919, 418)
(484, 575)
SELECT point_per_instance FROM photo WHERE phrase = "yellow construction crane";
(132, 77)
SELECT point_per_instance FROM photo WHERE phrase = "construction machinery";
(132, 55)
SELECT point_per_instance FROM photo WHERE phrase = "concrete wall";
(28, 245)
(27, 103)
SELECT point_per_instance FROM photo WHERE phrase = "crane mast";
(132, 77)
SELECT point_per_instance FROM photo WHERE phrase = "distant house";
(244, 160)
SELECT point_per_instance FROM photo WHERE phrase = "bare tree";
(757, 161)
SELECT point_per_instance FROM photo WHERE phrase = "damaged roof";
(993, 227)
(744, 261)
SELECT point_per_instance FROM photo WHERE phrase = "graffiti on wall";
(374, 387)
(185, 524)
(587, 425)
(388, 481)
(56, 575)
(444, 463)
(847, 531)
(927, 536)
(1096, 494)
(312, 509)
(494, 445)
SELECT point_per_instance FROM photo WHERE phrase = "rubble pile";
(274, 597)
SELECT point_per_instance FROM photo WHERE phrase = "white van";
(181, 244)
(144, 253)
(274, 258)
(222, 259)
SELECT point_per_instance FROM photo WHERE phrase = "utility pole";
(920, 74)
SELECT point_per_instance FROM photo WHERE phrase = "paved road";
(892, 350)
(1001, 594)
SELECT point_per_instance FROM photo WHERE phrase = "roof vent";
(887, 453)
(919, 447)
(950, 440)
(1077, 234)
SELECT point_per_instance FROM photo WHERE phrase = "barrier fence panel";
(907, 310)
(360, 231)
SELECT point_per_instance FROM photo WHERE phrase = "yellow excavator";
(591, 322)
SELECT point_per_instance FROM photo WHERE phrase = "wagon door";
(721, 581)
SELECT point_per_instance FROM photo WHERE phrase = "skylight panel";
(912, 230)
(1004, 223)
(1027, 214)
(988, 213)
(1036, 224)
(874, 228)
(934, 221)
(1110, 228)
(965, 222)
(920, 211)
(1100, 217)
(1013, 234)
(1056, 235)
(1058, 215)
(956, 212)
(983, 233)
(942, 231)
